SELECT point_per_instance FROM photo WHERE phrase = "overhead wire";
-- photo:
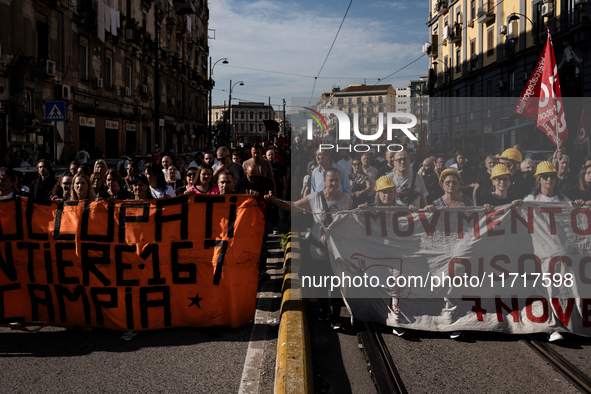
(330, 50)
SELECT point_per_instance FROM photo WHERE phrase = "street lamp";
(514, 17)
(230, 107)
(224, 60)
(186, 8)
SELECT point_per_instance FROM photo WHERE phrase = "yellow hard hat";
(512, 154)
(498, 170)
(446, 172)
(384, 182)
(545, 167)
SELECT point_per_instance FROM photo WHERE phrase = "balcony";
(442, 7)
(456, 33)
(486, 13)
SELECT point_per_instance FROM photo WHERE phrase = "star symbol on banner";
(195, 301)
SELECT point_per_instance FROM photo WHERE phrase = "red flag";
(582, 134)
(546, 108)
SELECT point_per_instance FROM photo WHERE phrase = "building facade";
(365, 101)
(482, 50)
(102, 58)
(248, 121)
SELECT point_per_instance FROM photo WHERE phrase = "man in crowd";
(41, 187)
(317, 178)
(225, 164)
(167, 162)
(431, 180)
(7, 182)
(369, 170)
(280, 178)
(346, 163)
(226, 182)
(257, 158)
(522, 183)
(258, 186)
(528, 165)
(439, 165)
(209, 159)
(564, 176)
(388, 167)
(410, 188)
(483, 185)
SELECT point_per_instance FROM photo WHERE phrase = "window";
(242, 127)
(128, 76)
(358, 100)
(83, 61)
(145, 76)
(236, 115)
(458, 59)
(251, 115)
(380, 109)
(250, 127)
(340, 101)
(380, 99)
(512, 81)
(260, 115)
(490, 42)
(350, 100)
(370, 99)
(108, 71)
(472, 9)
(241, 114)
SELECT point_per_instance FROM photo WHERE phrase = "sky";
(377, 39)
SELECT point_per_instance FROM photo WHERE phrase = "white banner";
(514, 270)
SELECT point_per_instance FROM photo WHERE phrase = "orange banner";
(131, 265)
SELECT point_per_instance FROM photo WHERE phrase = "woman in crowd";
(386, 194)
(141, 188)
(547, 188)
(450, 183)
(582, 191)
(360, 184)
(501, 180)
(61, 190)
(85, 168)
(114, 191)
(178, 163)
(204, 184)
(97, 180)
(171, 180)
(133, 170)
(74, 165)
(81, 188)
(189, 180)
(101, 166)
(158, 185)
(458, 162)
(322, 204)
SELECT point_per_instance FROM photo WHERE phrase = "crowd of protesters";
(428, 178)
(254, 170)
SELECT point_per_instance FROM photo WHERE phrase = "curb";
(293, 368)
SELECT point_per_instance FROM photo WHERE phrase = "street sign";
(55, 111)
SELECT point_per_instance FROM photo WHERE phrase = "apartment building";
(102, 58)
(482, 50)
(366, 101)
(248, 120)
